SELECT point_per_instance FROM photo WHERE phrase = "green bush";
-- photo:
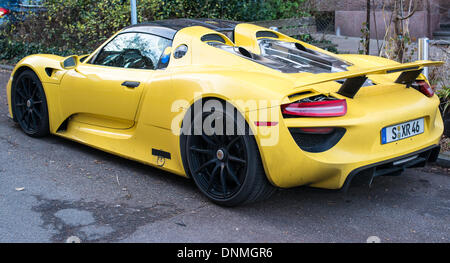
(79, 26)
(239, 10)
(66, 27)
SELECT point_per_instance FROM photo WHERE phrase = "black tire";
(29, 104)
(234, 177)
(446, 117)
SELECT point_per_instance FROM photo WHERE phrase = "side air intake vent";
(213, 37)
(300, 94)
(311, 141)
(266, 34)
(49, 71)
(300, 47)
(245, 52)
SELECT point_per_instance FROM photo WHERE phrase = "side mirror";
(70, 62)
(180, 51)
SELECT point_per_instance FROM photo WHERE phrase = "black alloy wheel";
(219, 163)
(226, 168)
(29, 104)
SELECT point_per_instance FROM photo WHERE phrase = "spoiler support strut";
(351, 86)
(408, 77)
(354, 80)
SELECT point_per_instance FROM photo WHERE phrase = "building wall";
(350, 23)
(444, 10)
(351, 14)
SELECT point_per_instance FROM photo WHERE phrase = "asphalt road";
(51, 189)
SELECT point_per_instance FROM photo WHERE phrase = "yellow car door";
(106, 90)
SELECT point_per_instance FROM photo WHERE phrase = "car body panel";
(361, 144)
(89, 105)
(109, 104)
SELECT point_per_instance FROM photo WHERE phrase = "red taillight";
(422, 86)
(3, 11)
(327, 108)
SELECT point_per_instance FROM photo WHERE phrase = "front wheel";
(226, 168)
(29, 104)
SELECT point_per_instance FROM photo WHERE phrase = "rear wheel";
(226, 168)
(29, 104)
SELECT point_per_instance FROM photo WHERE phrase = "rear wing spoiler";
(355, 79)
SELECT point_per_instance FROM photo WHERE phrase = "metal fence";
(325, 22)
(299, 27)
(292, 26)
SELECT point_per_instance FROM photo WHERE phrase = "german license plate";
(402, 130)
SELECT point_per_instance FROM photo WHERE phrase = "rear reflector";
(316, 130)
(265, 123)
(327, 108)
(422, 86)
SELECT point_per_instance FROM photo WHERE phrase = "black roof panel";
(151, 29)
(168, 28)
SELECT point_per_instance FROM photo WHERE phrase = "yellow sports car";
(240, 109)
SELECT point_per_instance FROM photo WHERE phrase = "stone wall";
(351, 14)
(444, 11)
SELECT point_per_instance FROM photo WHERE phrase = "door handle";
(131, 84)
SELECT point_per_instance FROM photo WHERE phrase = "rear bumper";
(366, 174)
(287, 165)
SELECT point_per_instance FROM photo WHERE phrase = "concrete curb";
(6, 67)
(444, 159)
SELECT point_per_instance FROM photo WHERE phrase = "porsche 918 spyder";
(240, 109)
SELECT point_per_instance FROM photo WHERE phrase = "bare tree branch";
(399, 17)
